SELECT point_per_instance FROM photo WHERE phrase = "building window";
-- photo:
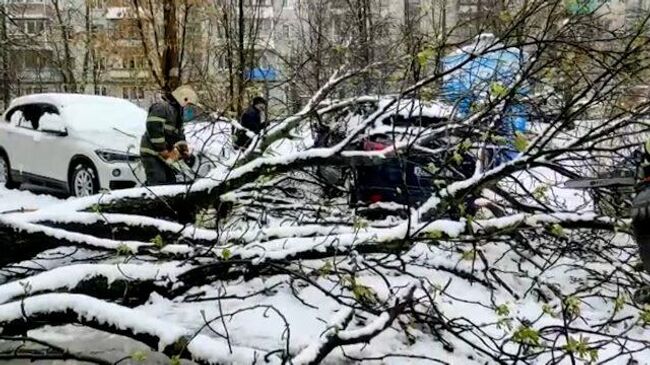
(97, 4)
(133, 93)
(29, 59)
(30, 26)
(128, 29)
(132, 63)
(32, 90)
(100, 63)
(266, 25)
(97, 28)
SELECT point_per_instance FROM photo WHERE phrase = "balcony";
(29, 28)
(124, 73)
(263, 10)
(31, 9)
(44, 75)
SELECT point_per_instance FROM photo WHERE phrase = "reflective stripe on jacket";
(164, 129)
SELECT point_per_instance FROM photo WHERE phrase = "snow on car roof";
(62, 100)
(408, 108)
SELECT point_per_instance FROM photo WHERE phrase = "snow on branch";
(24, 240)
(368, 238)
(183, 231)
(575, 220)
(159, 334)
(336, 335)
(70, 277)
(313, 352)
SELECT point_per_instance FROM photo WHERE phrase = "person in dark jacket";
(640, 218)
(164, 141)
(253, 120)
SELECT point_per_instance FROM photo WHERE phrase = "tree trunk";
(170, 64)
(186, 10)
(4, 62)
(70, 83)
(87, 51)
(367, 43)
(227, 35)
(241, 50)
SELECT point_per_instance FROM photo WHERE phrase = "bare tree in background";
(244, 33)
(162, 30)
(4, 56)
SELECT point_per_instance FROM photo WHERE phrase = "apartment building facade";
(94, 46)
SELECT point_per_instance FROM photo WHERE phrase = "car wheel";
(5, 173)
(84, 181)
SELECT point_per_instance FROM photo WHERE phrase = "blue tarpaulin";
(262, 74)
(489, 73)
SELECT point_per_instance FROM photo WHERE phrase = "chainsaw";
(601, 182)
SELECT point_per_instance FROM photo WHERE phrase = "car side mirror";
(52, 123)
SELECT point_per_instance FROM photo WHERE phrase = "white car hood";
(112, 140)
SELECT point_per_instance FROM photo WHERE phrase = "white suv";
(76, 144)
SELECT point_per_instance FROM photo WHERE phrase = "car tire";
(83, 180)
(5, 173)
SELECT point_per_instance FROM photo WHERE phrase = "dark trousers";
(241, 139)
(157, 171)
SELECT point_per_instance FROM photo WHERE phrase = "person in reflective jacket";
(164, 141)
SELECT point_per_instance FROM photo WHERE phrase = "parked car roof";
(410, 108)
(63, 99)
(91, 112)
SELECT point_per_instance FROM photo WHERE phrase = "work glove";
(184, 149)
(171, 156)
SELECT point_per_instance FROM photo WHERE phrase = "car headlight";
(114, 156)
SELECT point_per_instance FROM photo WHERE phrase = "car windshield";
(121, 116)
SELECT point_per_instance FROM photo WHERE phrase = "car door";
(38, 152)
(18, 142)
(55, 150)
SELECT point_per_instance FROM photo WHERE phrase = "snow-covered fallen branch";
(160, 335)
(73, 278)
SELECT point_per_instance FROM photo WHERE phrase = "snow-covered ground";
(16, 200)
